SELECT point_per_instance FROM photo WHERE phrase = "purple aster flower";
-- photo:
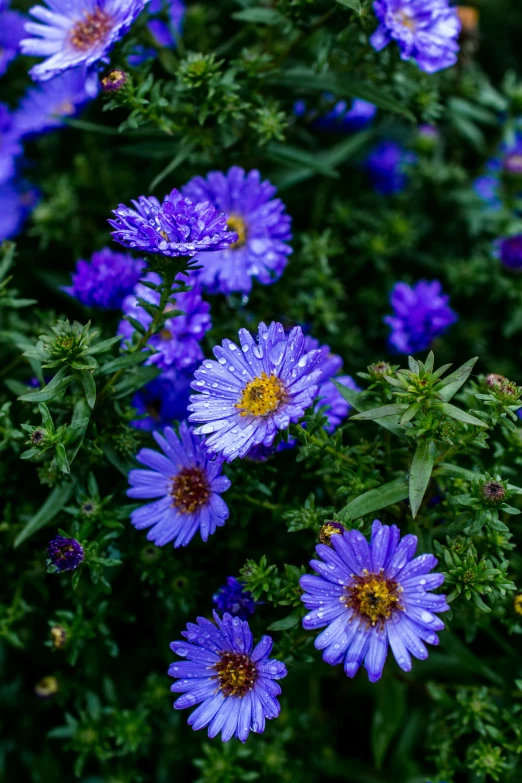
(76, 33)
(509, 250)
(421, 313)
(425, 30)
(11, 33)
(164, 400)
(105, 280)
(10, 146)
(234, 599)
(65, 554)
(177, 345)
(17, 201)
(233, 684)
(387, 167)
(188, 487)
(371, 597)
(45, 106)
(341, 117)
(253, 391)
(165, 32)
(177, 227)
(261, 224)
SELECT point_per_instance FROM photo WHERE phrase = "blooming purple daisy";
(163, 400)
(233, 684)
(341, 117)
(372, 596)
(421, 313)
(10, 146)
(253, 391)
(177, 344)
(188, 487)
(261, 224)
(17, 201)
(105, 280)
(65, 554)
(76, 33)
(427, 30)
(509, 251)
(12, 31)
(234, 599)
(45, 106)
(177, 227)
(386, 165)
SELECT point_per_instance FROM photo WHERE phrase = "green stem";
(256, 502)
(330, 450)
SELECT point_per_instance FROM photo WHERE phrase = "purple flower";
(165, 33)
(504, 167)
(261, 224)
(11, 33)
(44, 106)
(65, 554)
(17, 201)
(425, 30)
(188, 487)
(341, 117)
(387, 167)
(233, 684)
(234, 599)
(509, 250)
(177, 345)
(76, 33)
(421, 313)
(105, 280)
(253, 391)
(10, 146)
(370, 597)
(164, 400)
(177, 227)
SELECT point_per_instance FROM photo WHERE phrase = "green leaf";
(388, 716)
(410, 412)
(54, 503)
(375, 499)
(356, 400)
(259, 16)
(178, 159)
(122, 362)
(460, 415)
(104, 345)
(447, 388)
(61, 458)
(89, 387)
(60, 382)
(355, 5)
(342, 85)
(293, 155)
(288, 622)
(420, 472)
(379, 413)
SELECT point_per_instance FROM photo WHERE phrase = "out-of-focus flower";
(165, 32)
(387, 167)
(46, 106)
(260, 222)
(164, 400)
(343, 117)
(421, 313)
(509, 251)
(82, 32)
(177, 345)
(187, 487)
(17, 200)
(234, 599)
(105, 280)
(425, 30)
(12, 31)
(10, 147)
(232, 681)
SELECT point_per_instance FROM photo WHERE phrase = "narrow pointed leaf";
(410, 412)
(89, 387)
(420, 472)
(390, 423)
(430, 359)
(375, 499)
(60, 382)
(54, 503)
(447, 388)
(379, 413)
(413, 364)
(460, 415)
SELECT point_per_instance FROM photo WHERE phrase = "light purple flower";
(10, 147)
(80, 32)
(372, 597)
(420, 314)
(185, 487)
(232, 681)
(11, 33)
(253, 390)
(178, 343)
(106, 279)
(425, 30)
(17, 200)
(260, 222)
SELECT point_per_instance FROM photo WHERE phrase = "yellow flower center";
(406, 20)
(262, 396)
(373, 597)
(92, 29)
(517, 604)
(236, 672)
(237, 224)
(190, 490)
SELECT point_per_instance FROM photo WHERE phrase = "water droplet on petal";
(206, 429)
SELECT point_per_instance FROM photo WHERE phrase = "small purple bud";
(492, 493)
(114, 81)
(65, 554)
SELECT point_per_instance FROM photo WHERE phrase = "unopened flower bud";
(493, 493)
(114, 81)
(47, 687)
(328, 530)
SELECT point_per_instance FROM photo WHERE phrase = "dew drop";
(232, 347)
(245, 348)
(258, 351)
(222, 360)
(206, 429)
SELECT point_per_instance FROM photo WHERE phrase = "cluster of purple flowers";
(105, 280)
(420, 314)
